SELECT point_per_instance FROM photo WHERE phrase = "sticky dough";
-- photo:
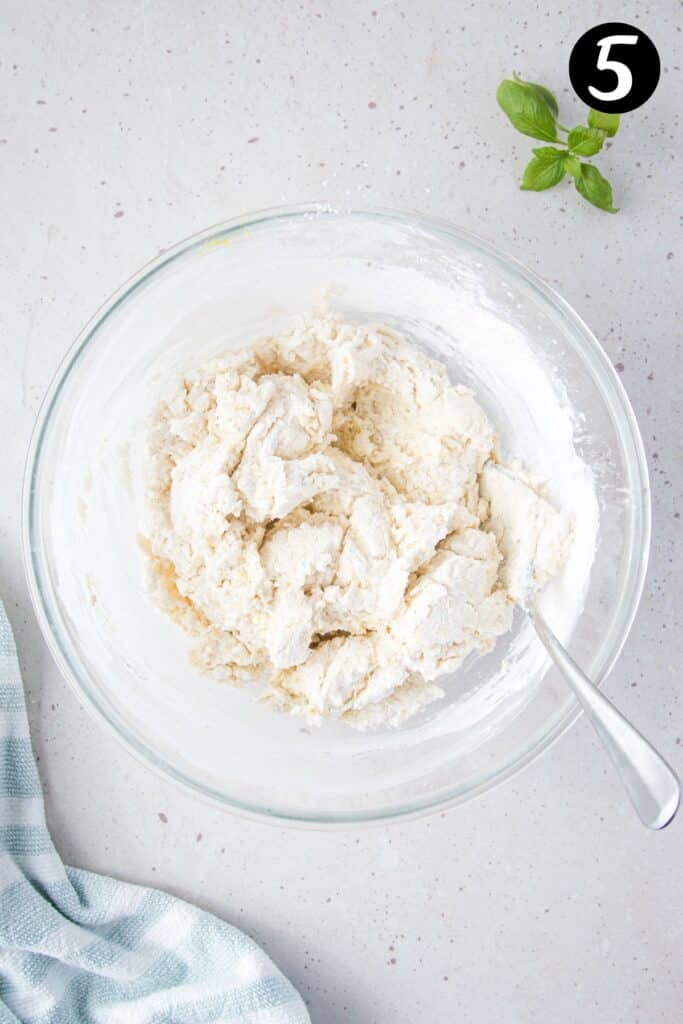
(326, 516)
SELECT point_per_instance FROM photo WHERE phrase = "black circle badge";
(614, 67)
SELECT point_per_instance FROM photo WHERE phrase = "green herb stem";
(533, 110)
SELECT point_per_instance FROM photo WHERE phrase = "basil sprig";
(533, 110)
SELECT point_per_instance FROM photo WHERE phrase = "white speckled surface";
(128, 126)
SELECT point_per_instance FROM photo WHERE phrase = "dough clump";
(326, 516)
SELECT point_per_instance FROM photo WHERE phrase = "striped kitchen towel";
(78, 947)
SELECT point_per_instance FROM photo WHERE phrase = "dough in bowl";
(327, 517)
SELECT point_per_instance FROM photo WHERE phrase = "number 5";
(623, 73)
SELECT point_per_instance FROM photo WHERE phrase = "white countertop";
(128, 126)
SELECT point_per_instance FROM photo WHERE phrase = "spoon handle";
(649, 781)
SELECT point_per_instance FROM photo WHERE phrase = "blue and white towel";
(78, 947)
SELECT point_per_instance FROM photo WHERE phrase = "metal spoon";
(651, 784)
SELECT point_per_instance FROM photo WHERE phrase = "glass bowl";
(449, 292)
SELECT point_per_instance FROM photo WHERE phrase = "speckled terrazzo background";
(128, 126)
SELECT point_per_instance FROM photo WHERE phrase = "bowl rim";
(605, 379)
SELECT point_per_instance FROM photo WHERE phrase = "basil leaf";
(528, 113)
(572, 165)
(586, 141)
(607, 122)
(545, 170)
(596, 189)
(540, 91)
